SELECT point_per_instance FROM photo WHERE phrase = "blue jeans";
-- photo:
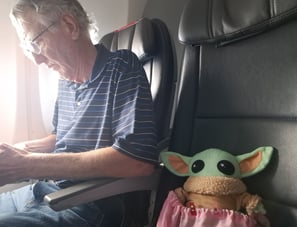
(24, 207)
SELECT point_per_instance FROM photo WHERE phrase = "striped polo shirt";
(113, 108)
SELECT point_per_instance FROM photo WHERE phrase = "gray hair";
(49, 11)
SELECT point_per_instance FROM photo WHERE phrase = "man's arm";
(84, 165)
(43, 145)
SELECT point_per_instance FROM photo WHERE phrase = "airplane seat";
(238, 92)
(150, 40)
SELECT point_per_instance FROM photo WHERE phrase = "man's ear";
(255, 161)
(70, 26)
(176, 163)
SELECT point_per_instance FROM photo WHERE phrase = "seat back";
(150, 40)
(238, 92)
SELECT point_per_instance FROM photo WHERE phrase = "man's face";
(55, 50)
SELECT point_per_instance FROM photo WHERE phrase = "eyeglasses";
(31, 46)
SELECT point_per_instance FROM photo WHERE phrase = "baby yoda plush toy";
(214, 186)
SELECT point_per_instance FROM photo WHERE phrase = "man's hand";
(43, 145)
(11, 164)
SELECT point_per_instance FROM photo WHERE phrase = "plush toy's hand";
(252, 203)
(260, 209)
(181, 195)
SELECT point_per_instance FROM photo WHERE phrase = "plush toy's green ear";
(255, 161)
(176, 163)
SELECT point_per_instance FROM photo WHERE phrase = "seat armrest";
(99, 188)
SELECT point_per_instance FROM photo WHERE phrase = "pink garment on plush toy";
(175, 214)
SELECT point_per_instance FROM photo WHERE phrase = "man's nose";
(38, 59)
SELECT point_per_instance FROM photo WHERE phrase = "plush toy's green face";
(216, 162)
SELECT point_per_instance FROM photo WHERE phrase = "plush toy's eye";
(197, 166)
(226, 167)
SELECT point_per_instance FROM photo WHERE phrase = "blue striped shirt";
(113, 108)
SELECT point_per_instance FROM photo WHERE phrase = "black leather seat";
(239, 92)
(150, 40)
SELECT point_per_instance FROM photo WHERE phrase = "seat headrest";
(224, 21)
(144, 39)
(139, 36)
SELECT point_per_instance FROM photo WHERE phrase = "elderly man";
(103, 119)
